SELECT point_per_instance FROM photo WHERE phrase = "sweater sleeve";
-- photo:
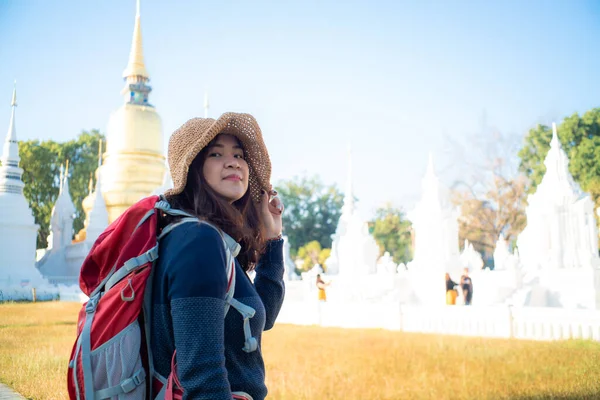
(197, 289)
(269, 281)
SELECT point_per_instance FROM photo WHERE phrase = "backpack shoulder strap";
(228, 243)
(232, 248)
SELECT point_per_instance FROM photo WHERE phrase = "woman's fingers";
(276, 205)
(264, 202)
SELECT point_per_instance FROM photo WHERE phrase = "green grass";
(330, 363)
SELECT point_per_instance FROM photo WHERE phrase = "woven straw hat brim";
(187, 141)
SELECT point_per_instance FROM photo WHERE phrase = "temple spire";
(91, 184)
(99, 153)
(136, 65)
(349, 194)
(136, 76)
(206, 105)
(10, 173)
(14, 96)
(557, 167)
(98, 218)
(66, 179)
(430, 167)
(554, 142)
(61, 179)
(10, 153)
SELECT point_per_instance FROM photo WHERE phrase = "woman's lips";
(233, 178)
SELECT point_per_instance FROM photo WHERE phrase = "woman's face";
(225, 169)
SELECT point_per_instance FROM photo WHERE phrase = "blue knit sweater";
(189, 288)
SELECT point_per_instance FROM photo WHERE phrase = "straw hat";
(187, 141)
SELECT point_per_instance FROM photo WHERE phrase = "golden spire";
(91, 184)
(136, 66)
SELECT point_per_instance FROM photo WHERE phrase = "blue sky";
(395, 79)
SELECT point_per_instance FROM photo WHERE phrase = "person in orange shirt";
(451, 292)
(321, 285)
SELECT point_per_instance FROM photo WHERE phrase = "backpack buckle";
(162, 205)
(92, 303)
(136, 380)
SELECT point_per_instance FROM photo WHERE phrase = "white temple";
(97, 219)
(470, 258)
(503, 258)
(63, 214)
(559, 246)
(133, 167)
(18, 230)
(63, 258)
(435, 225)
(354, 252)
(289, 265)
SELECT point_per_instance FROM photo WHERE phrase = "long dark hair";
(239, 220)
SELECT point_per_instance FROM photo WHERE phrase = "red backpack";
(111, 357)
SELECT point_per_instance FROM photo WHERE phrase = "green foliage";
(312, 210)
(580, 139)
(392, 232)
(41, 165)
(532, 154)
(40, 175)
(312, 253)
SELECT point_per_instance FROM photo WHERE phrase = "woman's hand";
(270, 214)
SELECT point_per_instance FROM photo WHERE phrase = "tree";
(40, 175)
(312, 210)
(392, 232)
(500, 210)
(41, 163)
(492, 194)
(580, 139)
(312, 253)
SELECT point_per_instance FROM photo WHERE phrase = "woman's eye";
(239, 156)
(214, 154)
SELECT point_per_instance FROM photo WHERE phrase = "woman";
(466, 285)
(221, 173)
(451, 292)
(321, 285)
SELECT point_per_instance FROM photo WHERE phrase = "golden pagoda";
(134, 162)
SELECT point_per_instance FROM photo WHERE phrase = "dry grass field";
(326, 363)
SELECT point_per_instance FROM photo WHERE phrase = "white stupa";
(63, 214)
(97, 220)
(503, 284)
(354, 252)
(503, 258)
(63, 257)
(559, 245)
(18, 230)
(435, 225)
(54, 265)
(289, 265)
(471, 258)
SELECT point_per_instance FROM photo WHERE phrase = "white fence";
(501, 322)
